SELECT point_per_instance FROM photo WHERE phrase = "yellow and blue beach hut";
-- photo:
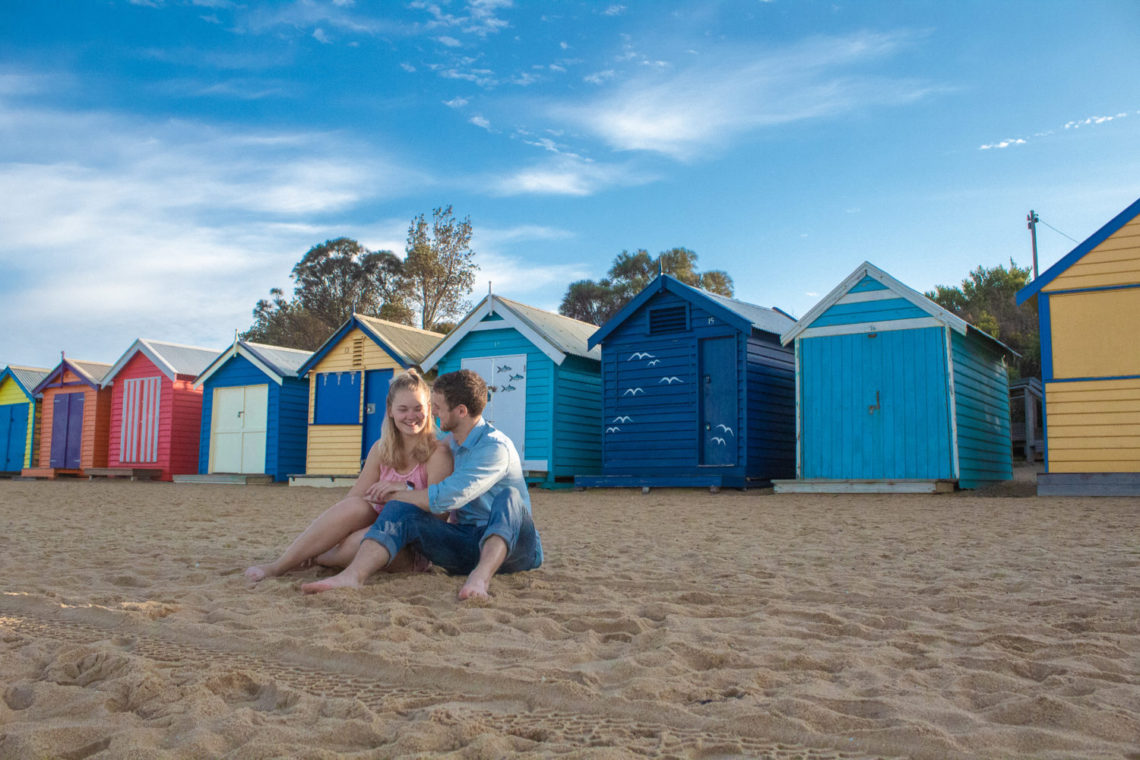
(19, 410)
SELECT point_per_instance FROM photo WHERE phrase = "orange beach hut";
(75, 421)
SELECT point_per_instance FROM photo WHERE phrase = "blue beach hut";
(255, 412)
(19, 410)
(696, 391)
(895, 393)
(545, 381)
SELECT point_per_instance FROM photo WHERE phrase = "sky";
(164, 163)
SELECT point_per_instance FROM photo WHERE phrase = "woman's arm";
(369, 473)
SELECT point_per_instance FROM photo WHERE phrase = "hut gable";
(1088, 306)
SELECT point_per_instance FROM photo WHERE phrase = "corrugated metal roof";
(185, 360)
(28, 377)
(95, 371)
(286, 361)
(412, 343)
(564, 333)
(761, 317)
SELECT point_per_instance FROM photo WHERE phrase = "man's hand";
(383, 490)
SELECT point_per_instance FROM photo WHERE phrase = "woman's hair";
(391, 439)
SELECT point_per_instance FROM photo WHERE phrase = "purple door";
(66, 430)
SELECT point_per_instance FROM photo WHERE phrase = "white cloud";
(564, 45)
(408, 68)
(614, 10)
(599, 77)
(448, 41)
(321, 36)
(1091, 120)
(1002, 144)
(739, 91)
(480, 121)
(456, 102)
(479, 17)
(1075, 124)
(567, 175)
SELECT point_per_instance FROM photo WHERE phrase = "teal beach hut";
(895, 393)
(545, 383)
(697, 391)
(19, 417)
(255, 412)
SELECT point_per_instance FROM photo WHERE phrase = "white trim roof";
(277, 362)
(172, 359)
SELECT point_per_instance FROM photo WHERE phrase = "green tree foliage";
(987, 299)
(439, 269)
(331, 281)
(596, 302)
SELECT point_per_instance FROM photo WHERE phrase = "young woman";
(407, 455)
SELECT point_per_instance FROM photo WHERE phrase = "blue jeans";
(456, 548)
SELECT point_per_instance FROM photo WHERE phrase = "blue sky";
(163, 163)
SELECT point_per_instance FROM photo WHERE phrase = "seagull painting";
(726, 429)
(639, 355)
(623, 418)
(653, 362)
(613, 429)
(669, 380)
(718, 439)
(632, 391)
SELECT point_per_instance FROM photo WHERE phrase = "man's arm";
(475, 474)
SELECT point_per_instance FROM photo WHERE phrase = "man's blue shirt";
(486, 463)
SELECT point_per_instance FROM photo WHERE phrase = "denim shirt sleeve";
(482, 467)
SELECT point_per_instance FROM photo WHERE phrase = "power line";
(1039, 219)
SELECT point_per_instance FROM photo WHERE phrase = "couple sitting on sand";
(460, 503)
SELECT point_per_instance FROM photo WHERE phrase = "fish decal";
(505, 388)
(503, 368)
(515, 377)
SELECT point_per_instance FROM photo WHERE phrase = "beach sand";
(676, 623)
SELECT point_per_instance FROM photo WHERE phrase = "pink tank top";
(417, 476)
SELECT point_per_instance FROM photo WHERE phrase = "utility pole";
(1033, 219)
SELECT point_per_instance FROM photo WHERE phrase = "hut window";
(668, 319)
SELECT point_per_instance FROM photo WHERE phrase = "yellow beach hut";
(19, 414)
(348, 387)
(1088, 306)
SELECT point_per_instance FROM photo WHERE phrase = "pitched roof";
(91, 373)
(172, 359)
(275, 361)
(1075, 255)
(406, 345)
(867, 269)
(743, 315)
(555, 335)
(26, 377)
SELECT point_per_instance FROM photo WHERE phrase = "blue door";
(13, 436)
(720, 410)
(375, 405)
(66, 430)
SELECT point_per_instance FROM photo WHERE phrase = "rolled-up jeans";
(456, 548)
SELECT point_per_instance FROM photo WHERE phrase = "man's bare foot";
(474, 588)
(258, 573)
(328, 584)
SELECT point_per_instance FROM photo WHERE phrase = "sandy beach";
(671, 624)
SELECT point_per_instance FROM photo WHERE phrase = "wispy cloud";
(1089, 121)
(600, 77)
(478, 17)
(567, 175)
(448, 41)
(739, 91)
(321, 36)
(456, 102)
(480, 121)
(614, 10)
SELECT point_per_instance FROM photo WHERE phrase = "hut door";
(376, 383)
(239, 429)
(720, 414)
(13, 436)
(138, 440)
(506, 378)
(66, 430)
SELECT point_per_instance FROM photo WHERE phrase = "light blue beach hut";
(545, 381)
(697, 391)
(895, 393)
(255, 412)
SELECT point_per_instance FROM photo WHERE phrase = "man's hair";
(462, 387)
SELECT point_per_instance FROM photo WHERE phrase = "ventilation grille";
(358, 352)
(667, 320)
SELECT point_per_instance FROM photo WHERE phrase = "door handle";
(874, 407)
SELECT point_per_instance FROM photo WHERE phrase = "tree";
(439, 269)
(331, 281)
(987, 299)
(596, 302)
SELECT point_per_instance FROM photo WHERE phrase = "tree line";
(430, 285)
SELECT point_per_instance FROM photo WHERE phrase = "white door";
(237, 440)
(506, 377)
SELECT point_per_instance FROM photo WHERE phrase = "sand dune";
(673, 624)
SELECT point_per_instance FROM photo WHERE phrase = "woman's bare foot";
(341, 580)
(259, 573)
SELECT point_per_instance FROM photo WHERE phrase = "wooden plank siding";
(577, 394)
(11, 393)
(1094, 334)
(981, 395)
(335, 449)
(1093, 426)
(1116, 261)
(771, 408)
(96, 420)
